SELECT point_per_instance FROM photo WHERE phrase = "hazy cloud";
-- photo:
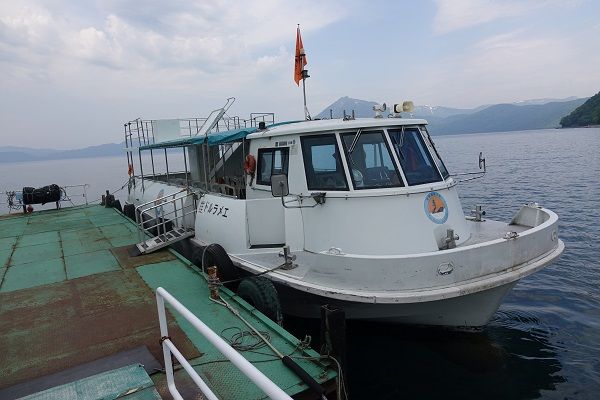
(71, 72)
(80, 69)
(200, 35)
(501, 67)
(452, 15)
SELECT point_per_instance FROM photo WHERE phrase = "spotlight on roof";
(379, 108)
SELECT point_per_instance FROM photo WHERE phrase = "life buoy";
(250, 164)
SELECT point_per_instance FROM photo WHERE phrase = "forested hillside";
(586, 114)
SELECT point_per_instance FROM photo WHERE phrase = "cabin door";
(266, 222)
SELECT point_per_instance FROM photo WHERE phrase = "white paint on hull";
(468, 311)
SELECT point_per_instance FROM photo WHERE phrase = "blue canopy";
(229, 136)
(214, 138)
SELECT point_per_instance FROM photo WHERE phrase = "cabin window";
(322, 163)
(271, 162)
(415, 159)
(370, 161)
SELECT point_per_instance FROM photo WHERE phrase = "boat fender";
(117, 204)
(109, 199)
(215, 255)
(250, 165)
(260, 293)
(129, 211)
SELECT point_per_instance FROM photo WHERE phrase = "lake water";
(544, 342)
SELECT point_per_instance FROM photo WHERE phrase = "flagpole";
(299, 71)
(304, 76)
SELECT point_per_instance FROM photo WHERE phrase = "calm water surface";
(544, 342)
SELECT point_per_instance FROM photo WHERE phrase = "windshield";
(415, 160)
(435, 154)
(370, 162)
(322, 163)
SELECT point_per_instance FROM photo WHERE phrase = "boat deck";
(487, 230)
(71, 293)
(480, 232)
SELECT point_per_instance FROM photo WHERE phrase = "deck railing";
(262, 381)
(14, 198)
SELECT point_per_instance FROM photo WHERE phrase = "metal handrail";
(14, 198)
(160, 198)
(261, 380)
(161, 220)
(84, 195)
(214, 122)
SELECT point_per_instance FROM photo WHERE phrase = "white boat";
(360, 214)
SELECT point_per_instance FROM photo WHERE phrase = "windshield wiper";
(399, 144)
(354, 141)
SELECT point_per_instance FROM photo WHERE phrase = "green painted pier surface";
(130, 383)
(70, 293)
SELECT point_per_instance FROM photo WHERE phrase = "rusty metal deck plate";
(69, 296)
(52, 327)
(71, 293)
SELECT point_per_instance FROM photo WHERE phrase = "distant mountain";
(523, 115)
(363, 109)
(28, 151)
(20, 154)
(543, 101)
(347, 105)
(585, 115)
(507, 117)
(443, 112)
(528, 114)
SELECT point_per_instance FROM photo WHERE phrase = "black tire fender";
(215, 255)
(117, 204)
(129, 211)
(260, 293)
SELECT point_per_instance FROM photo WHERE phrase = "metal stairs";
(225, 154)
(168, 219)
(164, 240)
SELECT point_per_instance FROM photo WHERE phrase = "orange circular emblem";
(436, 208)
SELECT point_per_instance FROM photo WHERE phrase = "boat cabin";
(372, 186)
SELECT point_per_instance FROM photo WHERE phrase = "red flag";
(300, 58)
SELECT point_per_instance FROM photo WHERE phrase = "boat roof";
(284, 128)
(324, 125)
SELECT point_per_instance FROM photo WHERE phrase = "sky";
(72, 72)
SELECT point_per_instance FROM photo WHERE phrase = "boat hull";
(463, 305)
(462, 312)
